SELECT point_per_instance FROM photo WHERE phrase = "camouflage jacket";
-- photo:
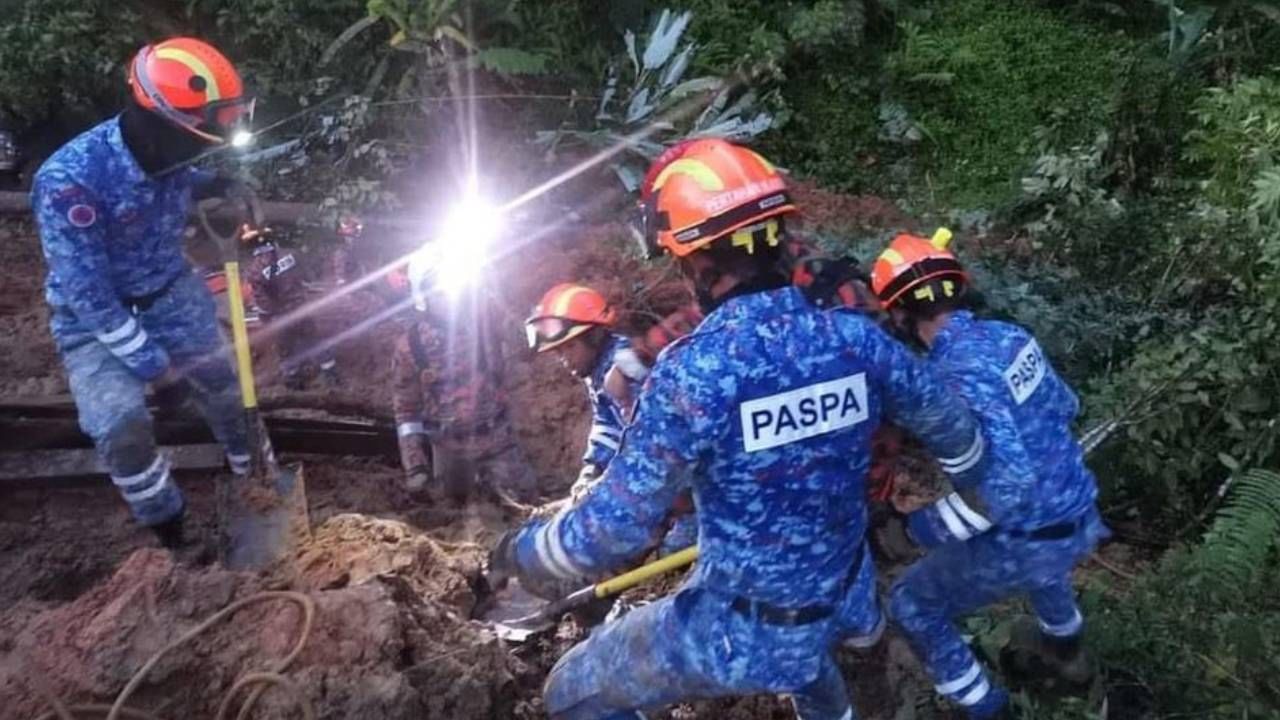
(766, 412)
(1036, 476)
(608, 414)
(112, 238)
(447, 380)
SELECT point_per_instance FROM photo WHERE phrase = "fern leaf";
(1245, 530)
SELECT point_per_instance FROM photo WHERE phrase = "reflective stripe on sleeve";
(975, 520)
(552, 553)
(960, 683)
(954, 524)
(966, 460)
(406, 429)
(126, 330)
(130, 347)
(976, 695)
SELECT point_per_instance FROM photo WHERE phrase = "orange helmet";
(192, 85)
(565, 312)
(711, 189)
(911, 263)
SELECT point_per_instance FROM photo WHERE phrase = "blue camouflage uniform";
(126, 307)
(608, 421)
(1020, 529)
(766, 412)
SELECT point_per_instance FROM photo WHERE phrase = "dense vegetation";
(1120, 161)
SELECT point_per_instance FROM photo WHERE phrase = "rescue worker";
(766, 412)
(1028, 520)
(447, 370)
(349, 229)
(278, 291)
(126, 309)
(575, 323)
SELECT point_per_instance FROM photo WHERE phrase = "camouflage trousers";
(111, 400)
(493, 459)
(959, 578)
(693, 646)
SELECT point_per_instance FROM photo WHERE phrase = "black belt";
(1060, 531)
(774, 615)
(143, 303)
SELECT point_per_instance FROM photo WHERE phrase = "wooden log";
(81, 462)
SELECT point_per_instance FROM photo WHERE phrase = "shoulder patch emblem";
(82, 216)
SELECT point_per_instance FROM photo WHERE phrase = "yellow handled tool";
(260, 529)
(522, 627)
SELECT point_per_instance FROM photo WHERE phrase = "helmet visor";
(545, 333)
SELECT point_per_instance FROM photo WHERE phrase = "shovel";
(515, 618)
(266, 516)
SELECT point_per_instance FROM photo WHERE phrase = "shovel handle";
(628, 580)
(240, 336)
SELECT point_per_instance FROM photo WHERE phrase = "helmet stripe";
(196, 65)
(767, 165)
(891, 256)
(702, 174)
(560, 308)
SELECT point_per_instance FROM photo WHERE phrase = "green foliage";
(1220, 256)
(828, 23)
(647, 103)
(1237, 140)
(1201, 632)
(65, 55)
(1245, 532)
(981, 75)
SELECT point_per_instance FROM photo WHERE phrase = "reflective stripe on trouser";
(958, 578)
(110, 398)
(112, 410)
(151, 494)
(692, 646)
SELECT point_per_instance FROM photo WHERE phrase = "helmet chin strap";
(157, 144)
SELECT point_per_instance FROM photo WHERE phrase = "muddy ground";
(86, 597)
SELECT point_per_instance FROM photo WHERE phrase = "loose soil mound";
(377, 649)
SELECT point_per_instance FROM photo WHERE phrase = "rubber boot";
(170, 533)
(1033, 658)
(995, 706)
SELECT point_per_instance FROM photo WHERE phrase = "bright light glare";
(462, 248)
(241, 138)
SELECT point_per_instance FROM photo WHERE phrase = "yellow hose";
(260, 681)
